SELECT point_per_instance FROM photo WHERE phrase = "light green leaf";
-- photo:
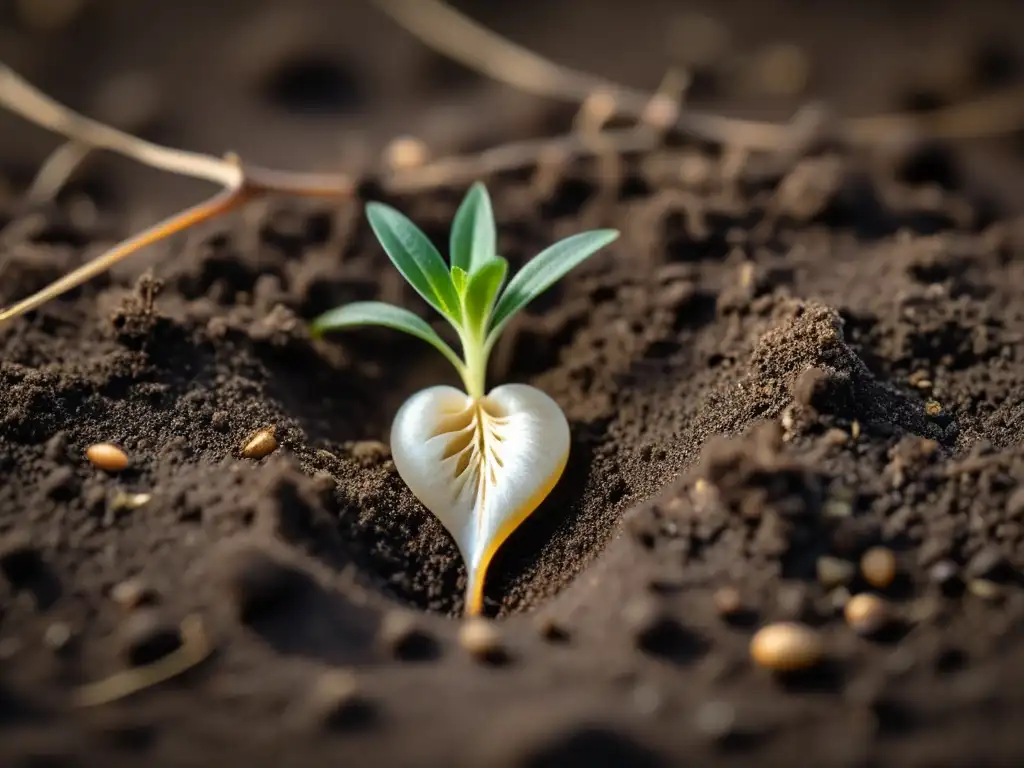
(361, 313)
(483, 289)
(460, 280)
(474, 241)
(416, 258)
(543, 271)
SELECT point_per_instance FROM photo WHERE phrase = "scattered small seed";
(107, 456)
(878, 565)
(855, 429)
(405, 638)
(132, 593)
(146, 637)
(933, 408)
(263, 443)
(129, 501)
(867, 614)
(834, 571)
(786, 647)
(481, 639)
(728, 601)
(985, 589)
(406, 153)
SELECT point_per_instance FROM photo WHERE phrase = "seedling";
(481, 461)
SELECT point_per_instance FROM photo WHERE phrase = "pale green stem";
(474, 373)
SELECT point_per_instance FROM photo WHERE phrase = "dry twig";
(455, 35)
(240, 183)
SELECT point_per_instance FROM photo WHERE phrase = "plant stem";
(474, 374)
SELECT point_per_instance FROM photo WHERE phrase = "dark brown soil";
(774, 370)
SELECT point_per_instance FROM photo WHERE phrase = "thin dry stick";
(240, 183)
(455, 35)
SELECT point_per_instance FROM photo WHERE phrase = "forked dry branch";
(456, 36)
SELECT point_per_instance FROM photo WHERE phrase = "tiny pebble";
(716, 719)
(146, 637)
(867, 614)
(263, 443)
(107, 457)
(986, 563)
(57, 636)
(786, 647)
(481, 639)
(835, 572)
(878, 565)
(946, 575)
(132, 593)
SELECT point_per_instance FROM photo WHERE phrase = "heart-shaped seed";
(481, 466)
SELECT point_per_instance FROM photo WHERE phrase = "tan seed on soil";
(263, 443)
(878, 565)
(107, 457)
(786, 647)
(728, 601)
(406, 153)
(131, 594)
(867, 614)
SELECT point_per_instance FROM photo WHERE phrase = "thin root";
(195, 648)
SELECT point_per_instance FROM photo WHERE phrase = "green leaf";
(483, 289)
(361, 313)
(459, 279)
(416, 258)
(474, 241)
(543, 271)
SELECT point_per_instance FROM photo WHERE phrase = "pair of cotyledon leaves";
(480, 461)
(470, 293)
